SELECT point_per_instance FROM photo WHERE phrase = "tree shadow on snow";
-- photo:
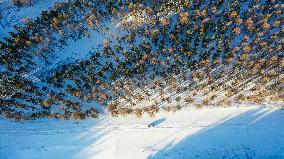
(257, 133)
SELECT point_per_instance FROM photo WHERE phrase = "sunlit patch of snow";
(181, 134)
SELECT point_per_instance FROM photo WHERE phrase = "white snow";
(235, 132)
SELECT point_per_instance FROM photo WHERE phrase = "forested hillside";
(81, 58)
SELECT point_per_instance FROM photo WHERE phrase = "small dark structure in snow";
(156, 122)
(150, 125)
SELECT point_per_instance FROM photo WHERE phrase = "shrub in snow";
(77, 115)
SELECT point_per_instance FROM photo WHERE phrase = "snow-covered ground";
(235, 132)
(11, 15)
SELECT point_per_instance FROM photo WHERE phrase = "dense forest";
(156, 56)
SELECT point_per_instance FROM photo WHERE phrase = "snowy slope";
(14, 15)
(236, 132)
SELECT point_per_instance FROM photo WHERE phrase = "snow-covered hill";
(236, 132)
(161, 79)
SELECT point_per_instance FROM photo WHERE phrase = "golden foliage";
(237, 30)
(138, 113)
(233, 14)
(246, 49)
(203, 13)
(47, 103)
(77, 115)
